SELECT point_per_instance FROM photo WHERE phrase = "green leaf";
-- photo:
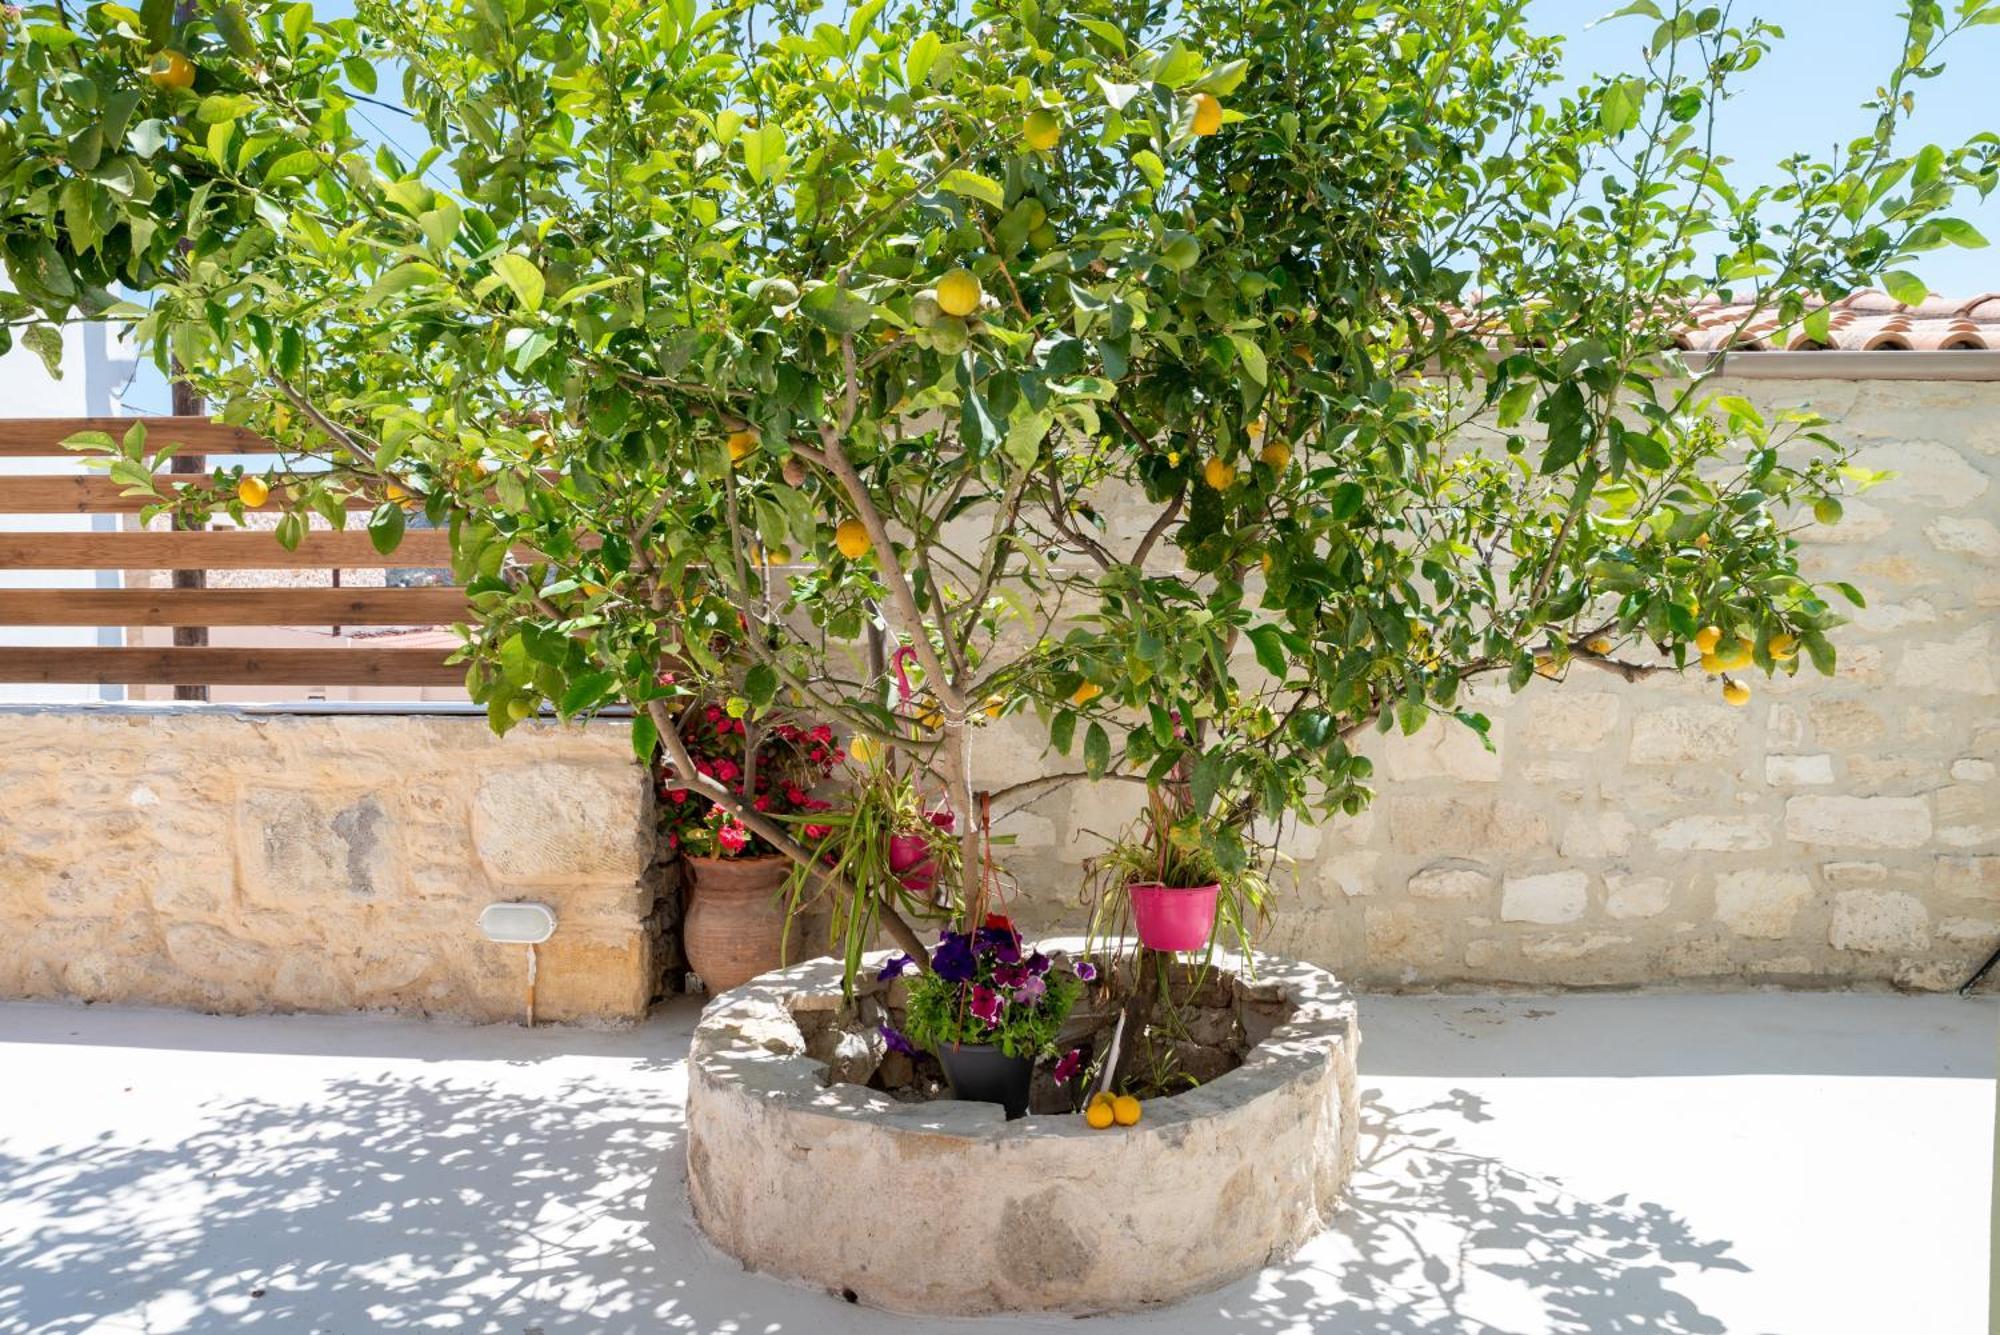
(1096, 750)
(1270, 646)
(760, 683)
(586, 690)
(837, 309)
(385, 527)
(764, 153)
(971, 185)
(523, 279)
(1905, 287)
(1252, 358)
(303, 162)
(645, 736)
(917, 61)
(1062, 730)
(46, 342)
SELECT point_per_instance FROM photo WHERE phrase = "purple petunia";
(952, 960)
(1086, 971)
(895, 967)
(1029, 991)
(986, 1004)
(897, 1043)
(1067, 1066)
(1038, 964)
(1010, 975)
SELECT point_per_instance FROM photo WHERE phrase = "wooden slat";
(30, 437)
(228, 549)
(216, 666)
(63, 494)
(231, 607)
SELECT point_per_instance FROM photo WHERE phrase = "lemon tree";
(1208, 382)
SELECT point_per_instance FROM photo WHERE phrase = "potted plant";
(1166, 871)
(989, 1007)
(879, 846)
(739, 922)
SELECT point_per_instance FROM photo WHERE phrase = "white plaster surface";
(1810, 1164)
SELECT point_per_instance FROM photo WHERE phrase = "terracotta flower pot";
(735, 923)
(1173, 918)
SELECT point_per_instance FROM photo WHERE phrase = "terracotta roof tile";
(1867, 321)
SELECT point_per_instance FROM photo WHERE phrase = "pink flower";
(677, 795)
(818, 831)
(732, 837)
(986, 1003)
(762, 803)
(727, 770)
(1067, 1066)
(712, 713)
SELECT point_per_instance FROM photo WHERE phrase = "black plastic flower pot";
(982, 1073)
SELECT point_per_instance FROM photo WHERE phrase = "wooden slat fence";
(55, 493)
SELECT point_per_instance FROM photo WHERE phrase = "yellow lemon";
(863, 750)
(1098, 1115)
(592, 590)
(1125, 1110)
(518, 709)
(959, 293)
(1545, 666)
(1207, 114)
(1265, 563)
(1710, 663)
(171, 69)
(1277, 456)
(1254, 430)
(1736, 656)
(932, 719)
(996, 705)
(253, 491)
(1736, 693)
(779, 556)
(1600, 645)
(852, 539)
(1085, 693)
(1043, 129)
(741, 445)
(1783, 645)
(1707, 638)
(1218, 474)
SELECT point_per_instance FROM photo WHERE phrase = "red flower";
(732, 837)
(677, 795)
(999, 922)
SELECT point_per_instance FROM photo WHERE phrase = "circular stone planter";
(946, 1208)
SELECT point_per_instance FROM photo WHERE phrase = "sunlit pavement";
(1653, 1163)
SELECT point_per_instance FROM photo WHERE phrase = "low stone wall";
(1834, 831)
(228, 861)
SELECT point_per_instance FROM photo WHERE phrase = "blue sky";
(1807, 94)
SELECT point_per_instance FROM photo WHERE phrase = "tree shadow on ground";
(445, 1200)
(1435, 1239)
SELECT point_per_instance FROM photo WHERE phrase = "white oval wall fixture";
(520, 923)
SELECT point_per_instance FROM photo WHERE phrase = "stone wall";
(228, 861)
(1830, 832)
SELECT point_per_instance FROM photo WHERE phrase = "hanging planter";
(1173, 917)
(911, 857)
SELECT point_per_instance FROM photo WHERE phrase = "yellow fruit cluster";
(1106, 1108)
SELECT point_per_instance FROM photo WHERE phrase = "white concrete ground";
(1746, 1163)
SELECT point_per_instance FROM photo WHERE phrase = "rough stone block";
(556, 823)
(1975, 538)
(1859, 822)
(1798, 771)
(1430, 825)
(1974, 877)
(1399, 936)
(1724, 834)
(1451, 879)
(300, 847)
(1553, 897)
(1760, 903)
(1961, 664)
(1843, 723)
(1879, 920)
(1571, 720)
(1686, 734)
(1600, 834)
(1637, 896)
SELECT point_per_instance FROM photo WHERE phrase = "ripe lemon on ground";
(852, 539)
(1043, 129)
(1218, 474)
(253, 491)
(1736, 693)
(1085, 693)
(1784, 645)
(741, 445)
(1207, 114)
(1277, 456)
(1707, 638)
(959, 293)
(1125, 1110)
(1098, 1115)
(171, 69)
